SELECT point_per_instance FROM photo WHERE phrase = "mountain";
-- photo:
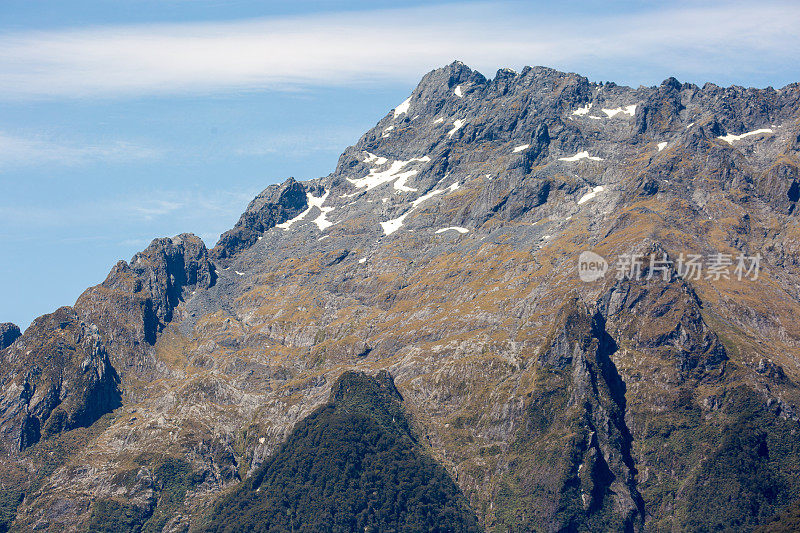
(540, 303)
(376, 477)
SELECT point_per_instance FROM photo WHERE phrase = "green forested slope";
(352, 465)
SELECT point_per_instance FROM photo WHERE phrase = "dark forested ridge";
(352, 465)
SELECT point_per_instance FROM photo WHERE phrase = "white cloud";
(16, 151)
(186, 209)
(726, 40)
(299, 144)
(148, 209)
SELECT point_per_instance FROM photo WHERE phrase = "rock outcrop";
(275, 205)
(659, 313)
(584, 475)
(58, 377)
(138, 299)
(8, 334)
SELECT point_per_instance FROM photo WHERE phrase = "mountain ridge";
(443, 249)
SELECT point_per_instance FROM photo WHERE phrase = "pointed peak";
(672, 83)
(456, 73)
(8, 334)
(505, 73)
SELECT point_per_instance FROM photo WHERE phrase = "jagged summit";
(8, 334)
(445, 249)
(540, 118)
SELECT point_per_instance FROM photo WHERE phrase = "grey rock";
(138, 299)
(8, 334)
(276, 204)
(62, 378)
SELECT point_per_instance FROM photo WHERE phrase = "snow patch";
(589, 195)
(427, 196)
(239, 273)
(433, 193)
(400, 184)
(372, 158)
(390, 128)
(438, 120)
(402, 108)
(458, 91)
(662, 145)
(313, 201)
(321, 221)
(393, 225)
(579, 156)
(454, 228)
(362, 260)
(582, 110)
(288, 224)
(521, 148)
(457, 125)
(393, 173)
(390, 226)
(730, 138)
(627, 110)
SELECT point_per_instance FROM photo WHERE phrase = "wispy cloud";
(722, 41)
(178, 206)
(16, 151)
(299, 144)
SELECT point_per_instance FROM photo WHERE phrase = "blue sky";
(124, 120)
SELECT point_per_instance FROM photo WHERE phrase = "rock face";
(138, 299)
(8, 333)
(575, 426)
(276, 204)
(663, 316)
(450, 248)
(58, 377)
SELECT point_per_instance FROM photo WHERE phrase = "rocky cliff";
(447, 254)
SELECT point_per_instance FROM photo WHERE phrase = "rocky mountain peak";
(430, 289)
(138, 299)
(8, 334)
(275, 205)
